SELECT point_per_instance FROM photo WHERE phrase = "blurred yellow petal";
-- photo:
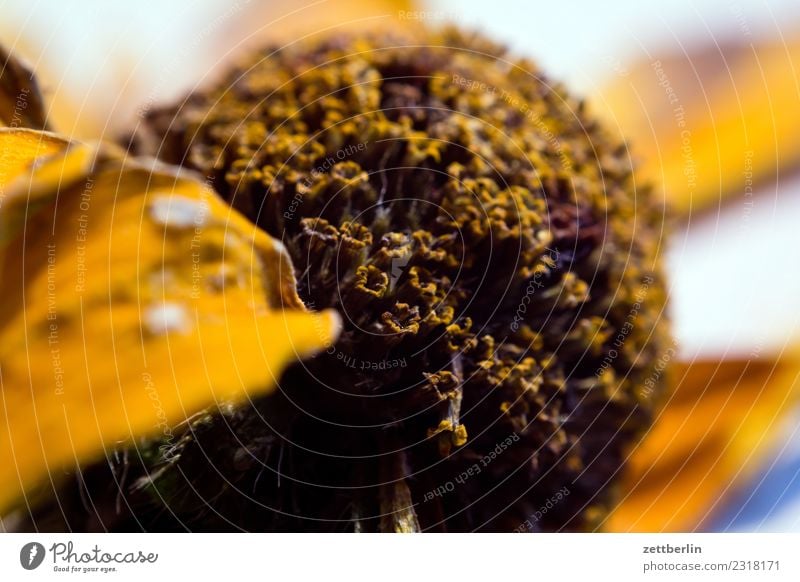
(19, 150)
(286, 21)
(96, 85)
(711, 434)
(133, 299)
(713, 123)
(21, 147)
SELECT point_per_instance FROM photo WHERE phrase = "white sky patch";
(734, 277)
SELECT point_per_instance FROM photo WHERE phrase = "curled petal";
(133, 298)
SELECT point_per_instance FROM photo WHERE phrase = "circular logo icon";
(31, 555)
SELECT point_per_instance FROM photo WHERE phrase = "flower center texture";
(495, 263)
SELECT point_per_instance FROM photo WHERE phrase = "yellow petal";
(714, 123)
(286, 20)
(19, 148)
(133, 299)
(720, 419)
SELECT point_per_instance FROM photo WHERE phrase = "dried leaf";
(21, 103)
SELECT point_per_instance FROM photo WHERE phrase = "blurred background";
(707, 91)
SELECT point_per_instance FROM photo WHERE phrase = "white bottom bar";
(425, 557)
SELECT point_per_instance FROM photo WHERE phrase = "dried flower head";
(495, 264)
